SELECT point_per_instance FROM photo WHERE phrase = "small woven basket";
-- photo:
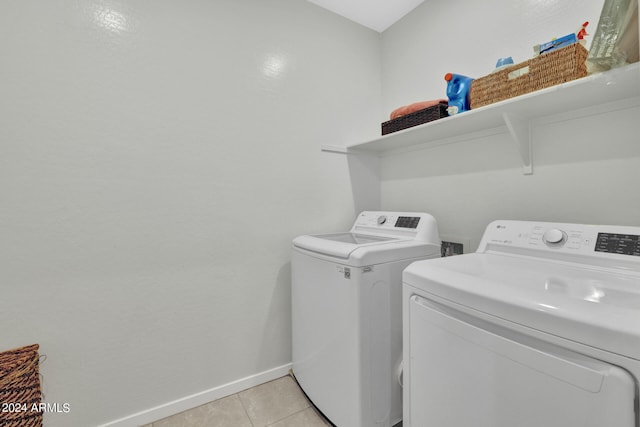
(416, 118)
(20, 394)
(549, 69)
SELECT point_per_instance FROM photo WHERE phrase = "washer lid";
(595, 306)
(339, 245)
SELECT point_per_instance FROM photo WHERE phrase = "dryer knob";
(382, 219)
(554, 237)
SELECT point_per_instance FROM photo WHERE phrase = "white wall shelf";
(614, 89)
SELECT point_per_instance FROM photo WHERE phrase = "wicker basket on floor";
(20, 387)
(549, 69)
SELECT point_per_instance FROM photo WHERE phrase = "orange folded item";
(412, 108)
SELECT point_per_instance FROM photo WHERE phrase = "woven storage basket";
(20, 387)
(416, 118)
(548, 69)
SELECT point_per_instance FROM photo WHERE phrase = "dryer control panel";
(562, 238)
(625, 244)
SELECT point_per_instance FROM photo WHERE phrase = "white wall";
(585, 170)
(156, 159)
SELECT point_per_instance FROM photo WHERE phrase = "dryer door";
(464, 371)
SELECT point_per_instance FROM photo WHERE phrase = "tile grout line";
(245, 410)
(288, 416)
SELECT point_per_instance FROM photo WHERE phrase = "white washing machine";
(539, 327)
(346, 295)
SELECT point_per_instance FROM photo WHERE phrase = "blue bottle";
(458, 91)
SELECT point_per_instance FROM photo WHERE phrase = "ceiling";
(375, 14)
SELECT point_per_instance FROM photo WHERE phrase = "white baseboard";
(150, 415)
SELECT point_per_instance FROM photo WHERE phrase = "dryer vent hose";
(399, 374)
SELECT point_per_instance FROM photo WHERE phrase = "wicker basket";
(20, 388)
(548, 69)
(416, 118)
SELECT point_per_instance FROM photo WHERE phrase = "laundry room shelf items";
(416, 118)
(550, 69)
(595, 94)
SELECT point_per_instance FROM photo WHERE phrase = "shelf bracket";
(520, 130)
(336, 149)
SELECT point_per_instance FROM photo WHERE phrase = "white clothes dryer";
(347, 314)
(539, 327)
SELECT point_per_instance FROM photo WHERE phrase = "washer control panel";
(411, 225)
(399, 221)
(563, 238)
(388, 220)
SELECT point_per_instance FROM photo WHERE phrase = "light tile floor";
(278, 403)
